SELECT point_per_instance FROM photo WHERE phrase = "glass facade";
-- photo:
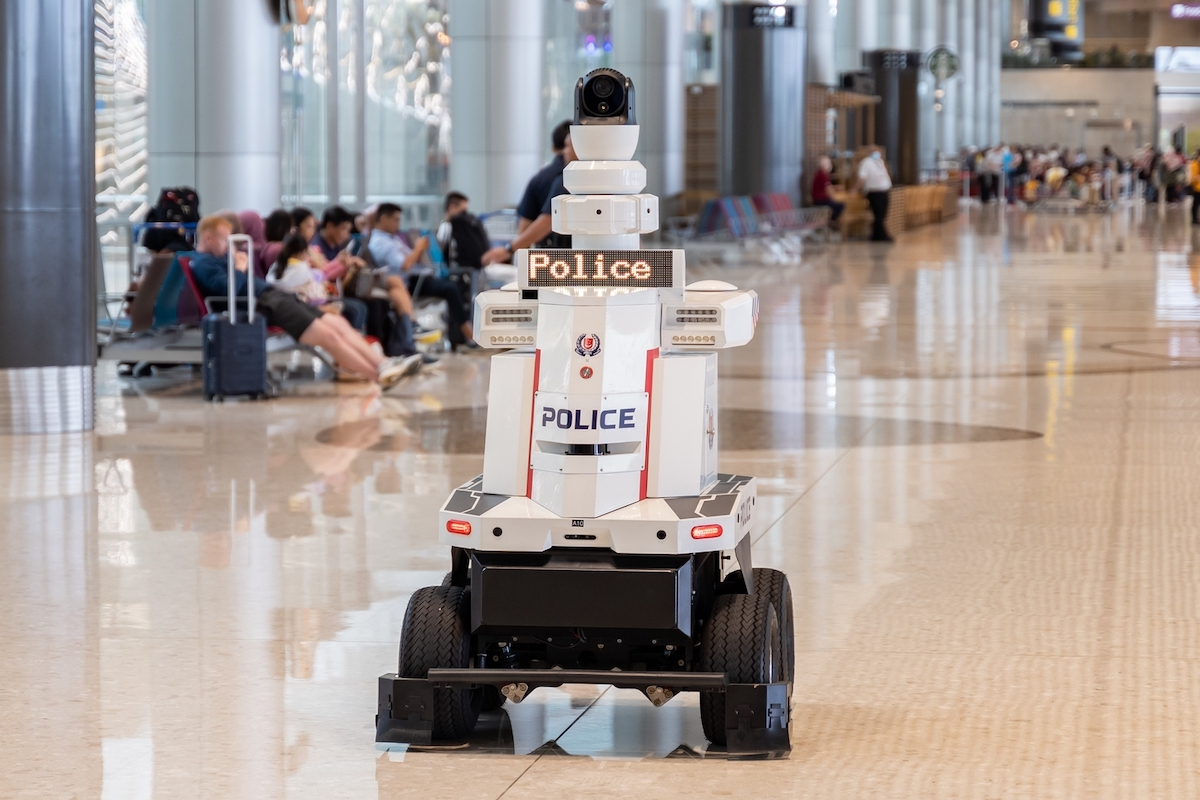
(122, 192)
(364, 96)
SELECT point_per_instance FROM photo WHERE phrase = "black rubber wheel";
(436, 633)
(774, 584)
(741, 639)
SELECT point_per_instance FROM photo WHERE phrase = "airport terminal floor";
(974, 449)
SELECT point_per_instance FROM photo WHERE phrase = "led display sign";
(637, 269)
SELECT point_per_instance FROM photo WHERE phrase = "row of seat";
(765, 214)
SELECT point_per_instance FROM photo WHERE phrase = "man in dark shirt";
(332, 239)
(461, 236)
(305, 324)
(534, 226)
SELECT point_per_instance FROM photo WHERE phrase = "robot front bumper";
(717, 520)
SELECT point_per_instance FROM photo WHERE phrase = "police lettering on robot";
(610, 419)
(615, 268)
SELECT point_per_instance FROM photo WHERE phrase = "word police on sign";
(605, 268)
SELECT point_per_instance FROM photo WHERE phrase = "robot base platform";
(756, 714)
(717, 520)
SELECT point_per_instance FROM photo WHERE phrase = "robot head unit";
(605, 127)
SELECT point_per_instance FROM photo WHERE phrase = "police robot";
(597, 547)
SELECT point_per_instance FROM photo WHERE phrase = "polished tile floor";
(976, 450)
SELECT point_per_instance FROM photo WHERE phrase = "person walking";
(874, 181)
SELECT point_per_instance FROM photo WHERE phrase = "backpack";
(468, 241)
(181, 204)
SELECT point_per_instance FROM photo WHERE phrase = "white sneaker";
(392, 370)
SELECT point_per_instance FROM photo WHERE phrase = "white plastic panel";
(509, 419)
(683, 417)
(604, 177)
(603, 215)
(710, 320)
(588, 418)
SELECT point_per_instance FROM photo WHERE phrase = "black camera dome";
(604, 97)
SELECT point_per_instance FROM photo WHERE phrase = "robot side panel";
(509, 424)
(683, 420)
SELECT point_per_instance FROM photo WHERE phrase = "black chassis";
(587, 616)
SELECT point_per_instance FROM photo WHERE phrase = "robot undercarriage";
(507, 621)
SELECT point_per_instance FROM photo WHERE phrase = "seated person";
(332, 239)
(398, 296)
(304, 222)
(301, 321)
(276, 228)
(824, 192)
(394, 254)
(292, 272)
(461, 235)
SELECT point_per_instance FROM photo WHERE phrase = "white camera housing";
(604, 177)
(604, 142)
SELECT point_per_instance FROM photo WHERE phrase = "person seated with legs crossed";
(302, 322)
(393, 252)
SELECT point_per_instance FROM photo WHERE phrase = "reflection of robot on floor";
(590, 550)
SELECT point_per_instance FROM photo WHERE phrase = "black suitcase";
(235, 350)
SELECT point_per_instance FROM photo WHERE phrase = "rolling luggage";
(235, 352)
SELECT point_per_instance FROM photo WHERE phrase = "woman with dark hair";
(293, 272)
(276, 227)
(304, 221)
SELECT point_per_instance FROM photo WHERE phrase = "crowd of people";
(1026, 173)
(318, 279)
(315, 279)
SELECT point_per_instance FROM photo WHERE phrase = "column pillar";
(497, 135)
(1000, 13)
(822, 67)
(902, 24)
(926, 42)
(171, 96)
(237, 106)
(48, 247)
(983, 70)
(948, 34)
(967, 66)
(213, 107)
(647, 37)
(868, 28)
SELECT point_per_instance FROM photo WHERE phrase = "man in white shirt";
(874, 181)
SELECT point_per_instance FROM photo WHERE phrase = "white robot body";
(602, 422)
(592, 549)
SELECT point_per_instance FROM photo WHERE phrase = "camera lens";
(603, 96)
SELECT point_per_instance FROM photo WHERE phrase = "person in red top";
(824, 193)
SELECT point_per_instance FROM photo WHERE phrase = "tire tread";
(733, 645)
(436, 634)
